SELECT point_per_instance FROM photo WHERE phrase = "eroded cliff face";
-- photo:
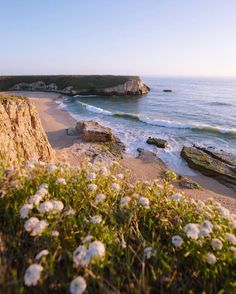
(21, 134)
(131, 87)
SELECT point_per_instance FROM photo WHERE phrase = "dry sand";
(55, 122)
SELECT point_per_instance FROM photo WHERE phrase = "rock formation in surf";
(217, 164)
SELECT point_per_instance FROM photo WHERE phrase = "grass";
(5, 98)
(78, 82)
(125, 230)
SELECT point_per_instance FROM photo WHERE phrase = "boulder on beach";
(91, 131)
(217, 164)
(160, 143)
(187, 183)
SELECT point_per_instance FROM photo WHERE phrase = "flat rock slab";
(217, 164)
(160, 143)
(91, 131)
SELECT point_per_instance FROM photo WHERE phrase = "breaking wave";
(162, 122)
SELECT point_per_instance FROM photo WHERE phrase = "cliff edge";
(21, 134)
(76, 85)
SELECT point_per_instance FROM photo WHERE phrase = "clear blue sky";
(163, 37)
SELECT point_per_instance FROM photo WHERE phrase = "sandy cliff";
(21, 134)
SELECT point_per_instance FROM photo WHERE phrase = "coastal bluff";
(21, 134)
(76, 84)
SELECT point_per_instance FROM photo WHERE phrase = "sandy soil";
(55, 122)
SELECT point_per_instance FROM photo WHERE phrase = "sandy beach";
(55, 122)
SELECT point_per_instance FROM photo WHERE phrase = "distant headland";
(107, 85)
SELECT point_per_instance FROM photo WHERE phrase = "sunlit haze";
(153, 37)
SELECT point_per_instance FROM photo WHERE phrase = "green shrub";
(134, 238)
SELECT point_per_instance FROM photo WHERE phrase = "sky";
(151, 37)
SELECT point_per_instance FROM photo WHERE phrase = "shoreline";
(55, 121)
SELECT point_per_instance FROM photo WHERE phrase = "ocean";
(198, 111)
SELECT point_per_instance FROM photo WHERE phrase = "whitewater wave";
(162, 122)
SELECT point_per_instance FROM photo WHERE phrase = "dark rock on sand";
(217, 164)
(187, 183)
(160, 143)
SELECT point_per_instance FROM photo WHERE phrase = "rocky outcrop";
(102, 137)
(21, 134)
(213, 163)
(132, 86)
(187, 183)
(91, 131)
(160, 143)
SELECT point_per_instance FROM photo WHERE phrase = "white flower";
(233, 223)
(43, 186)
(91, 177)
(216, 244)
(42, 253)
(70, 211)
(81, 256)
(148, 252)
(92, 187)
(39, 228)
(46, 206)
(96, 219)
(231, 238)
(210, 258)
(120, 176)
(115, 187)
(200, 204)
(42, 191)
(32, 274)
(31, 223)
(192, 231)
(146, 182)
(177, 241)
(100, 198)
(35, 199)
(52, 168)
(207, 225)
(57, 205)
(30, 164)
(61, 181)
(25, 209)
(87, 239)
(203, 232)
(144, 202)
(104, 171)
(225, 213)
(55, 233)
(96, 249)
(124, 201)
(78, 285)
(176, 196)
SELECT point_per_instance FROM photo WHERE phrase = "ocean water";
(197, 111)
